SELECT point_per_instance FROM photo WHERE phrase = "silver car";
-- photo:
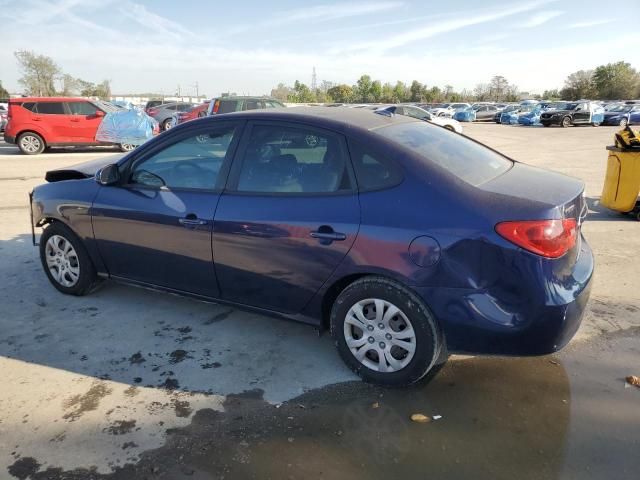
(167, 113)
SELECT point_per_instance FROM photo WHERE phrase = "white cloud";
(438, 28)
(152, 21)
(589, 23)
(539, 18)
(323, 13)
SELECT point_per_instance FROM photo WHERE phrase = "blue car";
(622, 115)
(408, 241)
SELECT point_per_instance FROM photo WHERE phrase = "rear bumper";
(486, 321)
(9, 138)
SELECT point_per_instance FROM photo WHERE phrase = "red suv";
(39, 122)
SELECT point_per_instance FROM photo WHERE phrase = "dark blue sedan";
(622, 115)
(408, 241)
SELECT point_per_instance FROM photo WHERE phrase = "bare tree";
(38, 73)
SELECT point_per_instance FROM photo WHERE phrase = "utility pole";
(314, 80)
(197, 91)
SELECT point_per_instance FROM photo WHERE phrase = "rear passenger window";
(252, 105)
(31, 106)
(373, 171)
(227, 106)
(82, 108)
(51, 108)
(293, 160)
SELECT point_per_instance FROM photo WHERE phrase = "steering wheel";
(193, 175)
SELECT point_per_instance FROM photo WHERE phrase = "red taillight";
(152, 111)
(216, 106)
(549, 238)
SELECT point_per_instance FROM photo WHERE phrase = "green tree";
(362, 89)
(579, 85)
(400, 92)
(3, 91)
(301, 93)
(499, 88)
(341, 93)
(416, 91)
(376, 91)
(387, 93)
(38, 73)
(551, 94)
(615, 81)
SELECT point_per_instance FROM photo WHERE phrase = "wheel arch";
(32, 130)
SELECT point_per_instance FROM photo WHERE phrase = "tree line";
(43, 77)
(614, 81)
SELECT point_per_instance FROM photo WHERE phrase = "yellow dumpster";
(622, 181)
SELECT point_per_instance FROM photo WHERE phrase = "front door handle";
(75, 119)
(326, 235)
(191, 221)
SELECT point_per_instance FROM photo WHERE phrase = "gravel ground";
(129, 383)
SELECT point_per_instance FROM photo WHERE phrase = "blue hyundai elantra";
(408, 241)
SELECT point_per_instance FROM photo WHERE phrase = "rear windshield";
(464, 158)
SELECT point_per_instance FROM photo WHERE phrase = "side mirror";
(99, 113)
(108, 175)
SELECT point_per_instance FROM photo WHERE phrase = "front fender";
(68, 202)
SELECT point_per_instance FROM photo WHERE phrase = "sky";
(248, 47)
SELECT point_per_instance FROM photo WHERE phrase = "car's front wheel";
(566, 122)
(66, 261)
(31, 143)
(384, 332)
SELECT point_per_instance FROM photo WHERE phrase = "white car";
(420, 114)
(448, 109)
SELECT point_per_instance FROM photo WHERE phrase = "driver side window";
(193, 162)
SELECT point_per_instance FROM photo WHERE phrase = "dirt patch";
(178, 356)
(24, 468)
(170, 384)
(181, 407)
(131, 392)
(136, 359)
(211, 365)
(120, 427)
(80, 404)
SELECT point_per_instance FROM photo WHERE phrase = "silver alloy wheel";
(127, 147)
(379, 335)
(30, 143)
(62, 261)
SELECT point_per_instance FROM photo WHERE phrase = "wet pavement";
(566, 416)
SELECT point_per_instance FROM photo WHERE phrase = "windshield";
(464, 158)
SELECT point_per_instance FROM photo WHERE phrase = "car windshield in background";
(464, 158)
(568, 106)
(621, 108)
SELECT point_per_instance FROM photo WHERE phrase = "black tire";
(623, 123)
(546, 124)
(428, 337)
(87, 278)
(31, 143)
(167, 124)
(596, 124)
(566, 122)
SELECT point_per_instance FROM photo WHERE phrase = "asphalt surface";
(128, 383)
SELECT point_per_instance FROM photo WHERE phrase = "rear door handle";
(75, 119)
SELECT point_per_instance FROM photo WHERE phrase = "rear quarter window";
(31, 106)
(460, 156)
(373, 171)
(228, 106)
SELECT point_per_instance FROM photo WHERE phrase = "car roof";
(49, 99)
(332, 118)
(244, 97)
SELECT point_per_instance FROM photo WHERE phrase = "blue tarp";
(132, 127)
(467, 115)
(531, 118)
(509, 118)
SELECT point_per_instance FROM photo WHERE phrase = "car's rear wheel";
(623, 122)
(566, 122)
(384, 332)
(31, 143)
(66, 261)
